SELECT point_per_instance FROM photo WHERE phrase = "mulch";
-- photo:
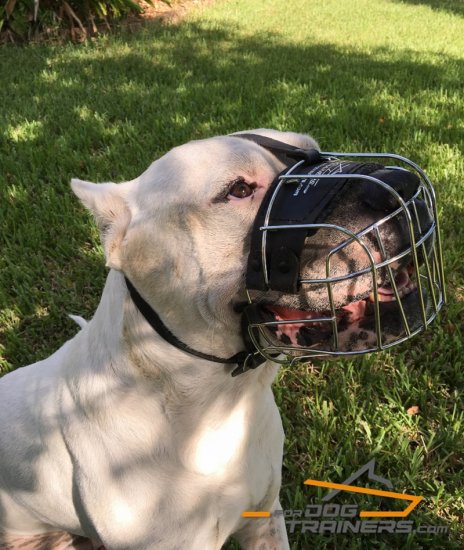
(70, 28)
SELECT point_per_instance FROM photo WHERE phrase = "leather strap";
(244, 359)
(284, 151)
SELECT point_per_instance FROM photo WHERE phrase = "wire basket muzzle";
(389, 294)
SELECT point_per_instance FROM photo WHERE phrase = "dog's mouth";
(355, 321)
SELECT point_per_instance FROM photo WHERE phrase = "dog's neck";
(191, 405)
(121, 331)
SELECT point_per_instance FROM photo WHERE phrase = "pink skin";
(352, 312)
(260, 186)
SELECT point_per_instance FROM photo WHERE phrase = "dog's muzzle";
(400, 290)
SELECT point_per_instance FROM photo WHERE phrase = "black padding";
(284, 268)
(307, 200)
(404, 182)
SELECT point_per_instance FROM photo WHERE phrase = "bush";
(25, 19)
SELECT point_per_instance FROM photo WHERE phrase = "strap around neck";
(244, 359)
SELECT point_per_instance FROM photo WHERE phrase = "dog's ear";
(107, 203)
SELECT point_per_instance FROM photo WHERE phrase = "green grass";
(359, 75)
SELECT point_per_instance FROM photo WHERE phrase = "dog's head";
(181, 233)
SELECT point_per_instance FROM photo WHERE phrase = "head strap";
(284, 151)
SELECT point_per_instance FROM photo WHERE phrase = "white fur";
(80, 321)
(119, 436)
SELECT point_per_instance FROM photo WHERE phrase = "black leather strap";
(284, 151)
(249, 358)
(304, 200)
(244, 359)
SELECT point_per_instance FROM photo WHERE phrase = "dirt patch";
(68, 27)
(160, 11)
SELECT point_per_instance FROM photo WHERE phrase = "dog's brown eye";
(240, 189)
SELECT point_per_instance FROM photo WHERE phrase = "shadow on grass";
(452, 6)
(104, 111)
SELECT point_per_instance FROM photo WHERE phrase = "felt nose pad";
(421, 220)
(405, 183)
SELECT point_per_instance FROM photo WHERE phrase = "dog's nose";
(404, 182)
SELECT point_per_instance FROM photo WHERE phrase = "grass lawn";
(360, 75)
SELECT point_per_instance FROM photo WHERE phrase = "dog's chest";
(222, 461)
(217, 441)
(235, 451)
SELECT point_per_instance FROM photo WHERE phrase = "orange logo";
(372, 514)
(346, 486)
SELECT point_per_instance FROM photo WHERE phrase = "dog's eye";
(241, 189)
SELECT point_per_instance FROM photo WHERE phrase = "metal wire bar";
(430, 285)
(393, 285)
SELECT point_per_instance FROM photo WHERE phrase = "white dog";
(122, 440)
